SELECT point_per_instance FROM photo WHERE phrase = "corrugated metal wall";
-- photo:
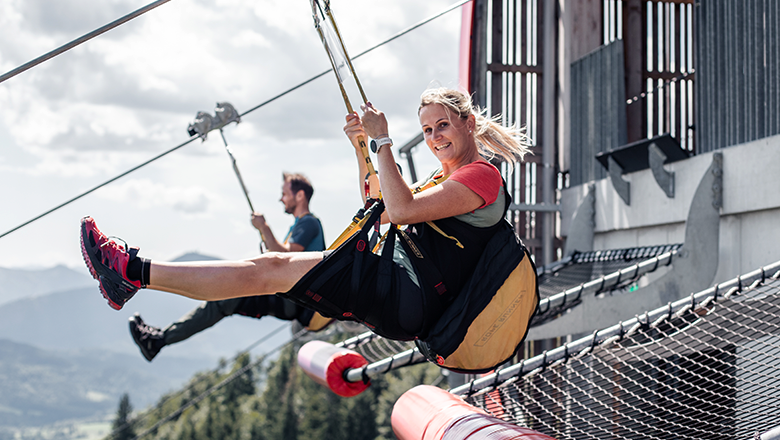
(598, 110)
(738, 81)
(655, 71)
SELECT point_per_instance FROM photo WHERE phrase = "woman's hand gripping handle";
(366, 173)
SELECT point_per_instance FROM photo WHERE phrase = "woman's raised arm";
(444, 200)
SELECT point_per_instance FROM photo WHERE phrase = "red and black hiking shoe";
(148, 338)
(107, 262)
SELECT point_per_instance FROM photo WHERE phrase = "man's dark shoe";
(149, 339)
(107, 263)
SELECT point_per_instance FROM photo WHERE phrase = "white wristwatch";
(376, 144)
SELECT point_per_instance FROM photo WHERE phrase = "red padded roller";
(430, 413)
(326, 364)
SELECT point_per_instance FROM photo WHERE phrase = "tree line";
(270, 401)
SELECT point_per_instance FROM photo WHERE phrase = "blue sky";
(92, 113)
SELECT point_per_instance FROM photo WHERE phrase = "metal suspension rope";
(332, 56)
(98, 186)
(323, 73)
(395, 36)
(237, 173)
(660, 87)
(82, 39)
(332, 19)
(243, 185)
(204, 123)
(211, 390)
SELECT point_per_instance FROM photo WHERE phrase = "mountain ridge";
(66, 354)
(29, 283)
(46, 386)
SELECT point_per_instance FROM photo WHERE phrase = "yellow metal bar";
(344, 49)
(361, 141)
(358, 221)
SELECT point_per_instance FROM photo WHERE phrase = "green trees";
(279, 402)
(122, 427)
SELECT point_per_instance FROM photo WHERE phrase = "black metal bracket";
(651, 153)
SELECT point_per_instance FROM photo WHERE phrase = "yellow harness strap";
(427, 185)
(416, 190)
(436, 228)
(431, 184)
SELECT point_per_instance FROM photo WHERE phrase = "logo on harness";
(313, 296)
(411, 244)
(501, 320)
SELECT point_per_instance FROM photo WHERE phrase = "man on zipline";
(304, 235)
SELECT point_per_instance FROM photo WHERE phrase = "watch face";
(373, 146)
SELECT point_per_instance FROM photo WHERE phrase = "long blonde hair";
(492, 138)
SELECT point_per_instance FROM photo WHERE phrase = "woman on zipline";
(449, 225)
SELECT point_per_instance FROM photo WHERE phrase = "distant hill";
(29, 283)
(81, 318)
(194, 256)
(75, 333)
(23, 283)
(41, 387)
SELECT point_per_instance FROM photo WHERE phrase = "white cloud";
(147, 195)
(283, 15)
(85, 116)
(249, 38)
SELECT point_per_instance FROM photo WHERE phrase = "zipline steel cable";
(286, 92)
(81, 39)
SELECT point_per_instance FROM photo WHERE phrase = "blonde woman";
(397, 294)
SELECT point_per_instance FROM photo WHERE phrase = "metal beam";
(538, 207)
(406, 150)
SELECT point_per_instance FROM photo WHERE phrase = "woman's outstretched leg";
(215, 280)
(121, 272)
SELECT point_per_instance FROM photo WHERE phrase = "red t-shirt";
(480, 177)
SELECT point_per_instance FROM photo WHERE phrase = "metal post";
(548, 129)
(634, 56)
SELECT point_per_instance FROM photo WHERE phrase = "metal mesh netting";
(582, 267)
(611, 271)
(706, 368)
(374, 347)
(570, 273)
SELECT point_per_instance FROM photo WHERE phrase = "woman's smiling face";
(449, 137)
